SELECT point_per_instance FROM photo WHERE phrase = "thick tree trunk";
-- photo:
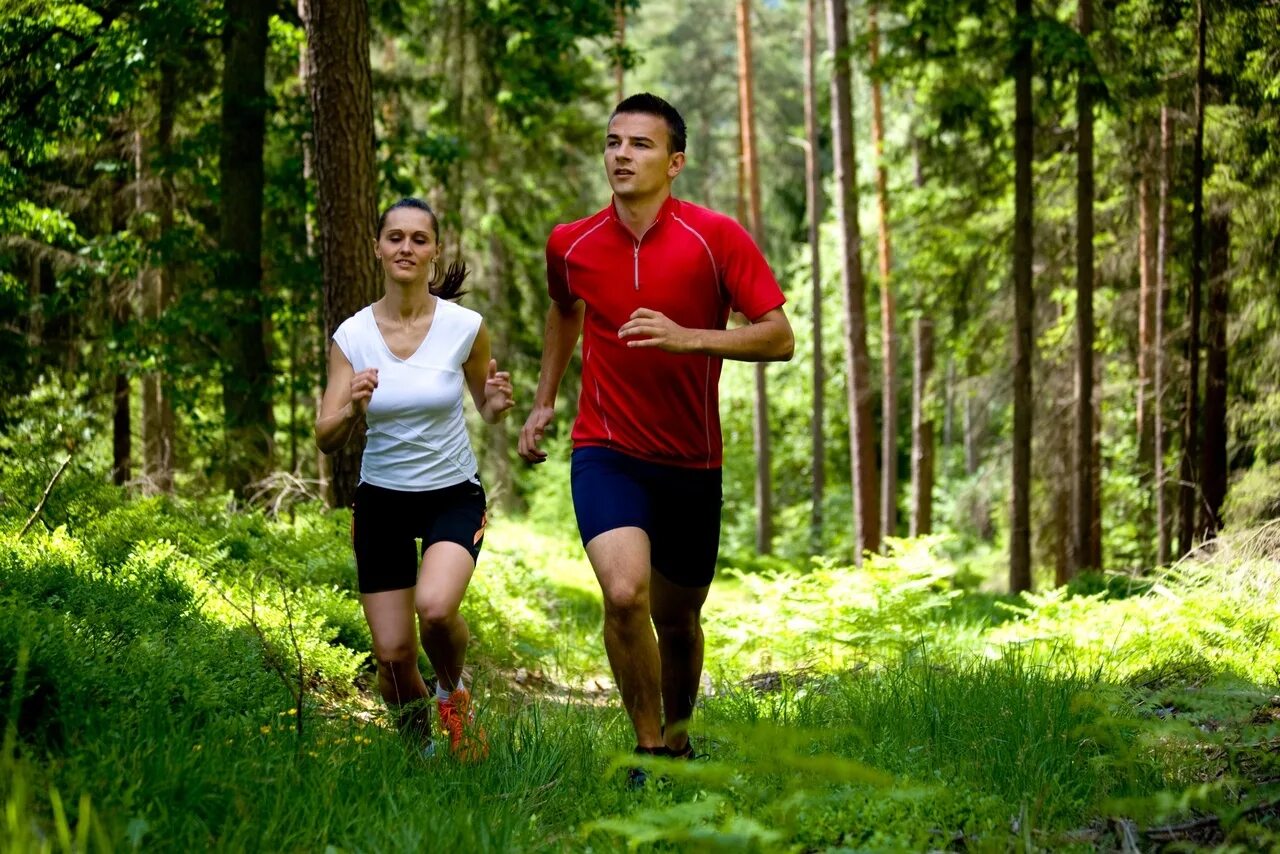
(1023, 300)
(1188, 485)
(1084, 474)
(1159, 361)
(121, 432)
(342, 114)
(888, 311)
(751, 173)
(813, 196)
(247, 379)
(862, 448)
(1213, 464)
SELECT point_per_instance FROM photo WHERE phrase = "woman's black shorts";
(385, 523)
(679, 508)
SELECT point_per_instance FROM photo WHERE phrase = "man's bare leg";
(677, 615)
(620, 558)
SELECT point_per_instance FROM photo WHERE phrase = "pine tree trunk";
(1023, 298)
(247, 379)
(813, 195)
(1147, 202)
(1083, 518)
(751, 173)
(501, 483)
(1159, 361)
(888, 311)
(1189, 483)
(342, 111)
(1213, 465)
(862, 448)
(922, 430)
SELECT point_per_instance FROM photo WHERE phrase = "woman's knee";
(396, 653)
(434, 615)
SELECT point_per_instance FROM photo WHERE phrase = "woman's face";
(407, 245)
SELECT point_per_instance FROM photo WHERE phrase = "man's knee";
(624, 597)
(683, 626)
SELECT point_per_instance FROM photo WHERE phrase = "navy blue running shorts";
(385, 523)
(679, 508)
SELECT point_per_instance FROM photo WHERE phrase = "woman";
(400, 365)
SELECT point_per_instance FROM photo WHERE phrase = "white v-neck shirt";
(417, 438)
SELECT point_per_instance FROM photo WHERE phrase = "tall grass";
(147, 706)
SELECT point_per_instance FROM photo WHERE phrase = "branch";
(43, 498)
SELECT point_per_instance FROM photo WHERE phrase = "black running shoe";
(638, 778)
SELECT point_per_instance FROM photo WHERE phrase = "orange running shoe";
(467, 739)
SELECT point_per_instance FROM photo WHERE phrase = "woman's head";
(408, 247)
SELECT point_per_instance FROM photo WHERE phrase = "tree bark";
(1147, 207)
(247, 379)
(1188, 477)
(1023, 299)
(342, 113)
(862, 448)
(751, 173)
(813, 195)
(620, 40)
(1213, 463)
(1085, 475)
(501, 483)
(922, 442)
(888, 311)
(1159, 363)
(121, 431)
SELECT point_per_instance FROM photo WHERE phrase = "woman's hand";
(499, 396)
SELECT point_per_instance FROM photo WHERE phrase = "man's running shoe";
(637, 777)
(467, 739)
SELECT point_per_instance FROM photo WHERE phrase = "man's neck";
(638, 214)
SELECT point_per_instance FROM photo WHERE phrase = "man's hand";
(652, 328)
(531, 433)
(498, 393)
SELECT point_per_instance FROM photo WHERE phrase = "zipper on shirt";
(636, 257)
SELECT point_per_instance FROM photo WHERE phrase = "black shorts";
(679, 508)
(385, 523)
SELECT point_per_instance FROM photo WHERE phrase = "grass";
(151, 661)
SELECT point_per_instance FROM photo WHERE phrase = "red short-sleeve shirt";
(693, 265)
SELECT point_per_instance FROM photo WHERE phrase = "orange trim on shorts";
(484, 521)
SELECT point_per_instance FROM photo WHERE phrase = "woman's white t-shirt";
(417, 438)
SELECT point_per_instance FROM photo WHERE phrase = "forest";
(999, 563)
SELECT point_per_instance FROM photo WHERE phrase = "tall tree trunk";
(1159, 366)
(813, 196)
(1082, 551)
(921, 428)
(1188, 479)
(1147, 205)
(501, 484)
(247, 379)
(1023, 303)
(862, 448)
(922, 432)
(342, 114)
(888, 315)
(155, 193)
(1213, 464)
(121, 430)
(750, 165)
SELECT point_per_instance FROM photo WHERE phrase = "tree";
(888, 314)
(340, 83)
(1188, 480)
(1213, 463)
(1160, 361)
(1023, 296)
(813, 202)
(1085, 472)
(751, 180)
(247, 377)
(857, 361)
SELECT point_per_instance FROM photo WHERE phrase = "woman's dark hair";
(449, 285)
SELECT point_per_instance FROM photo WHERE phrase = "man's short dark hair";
(652, 105)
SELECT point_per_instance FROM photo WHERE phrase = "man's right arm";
(559, 338)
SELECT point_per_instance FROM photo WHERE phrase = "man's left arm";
(768, 338)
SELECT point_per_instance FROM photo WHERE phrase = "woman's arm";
(346, 397)
(490, 388)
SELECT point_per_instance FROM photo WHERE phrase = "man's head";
(651, 105)
(644, 148)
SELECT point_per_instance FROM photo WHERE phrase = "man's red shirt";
(693, 265)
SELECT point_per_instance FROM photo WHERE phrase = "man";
(649, 283)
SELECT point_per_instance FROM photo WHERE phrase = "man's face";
(637, 159)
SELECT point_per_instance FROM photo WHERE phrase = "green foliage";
(1254, 498)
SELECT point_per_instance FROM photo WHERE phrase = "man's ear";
(675, 165)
